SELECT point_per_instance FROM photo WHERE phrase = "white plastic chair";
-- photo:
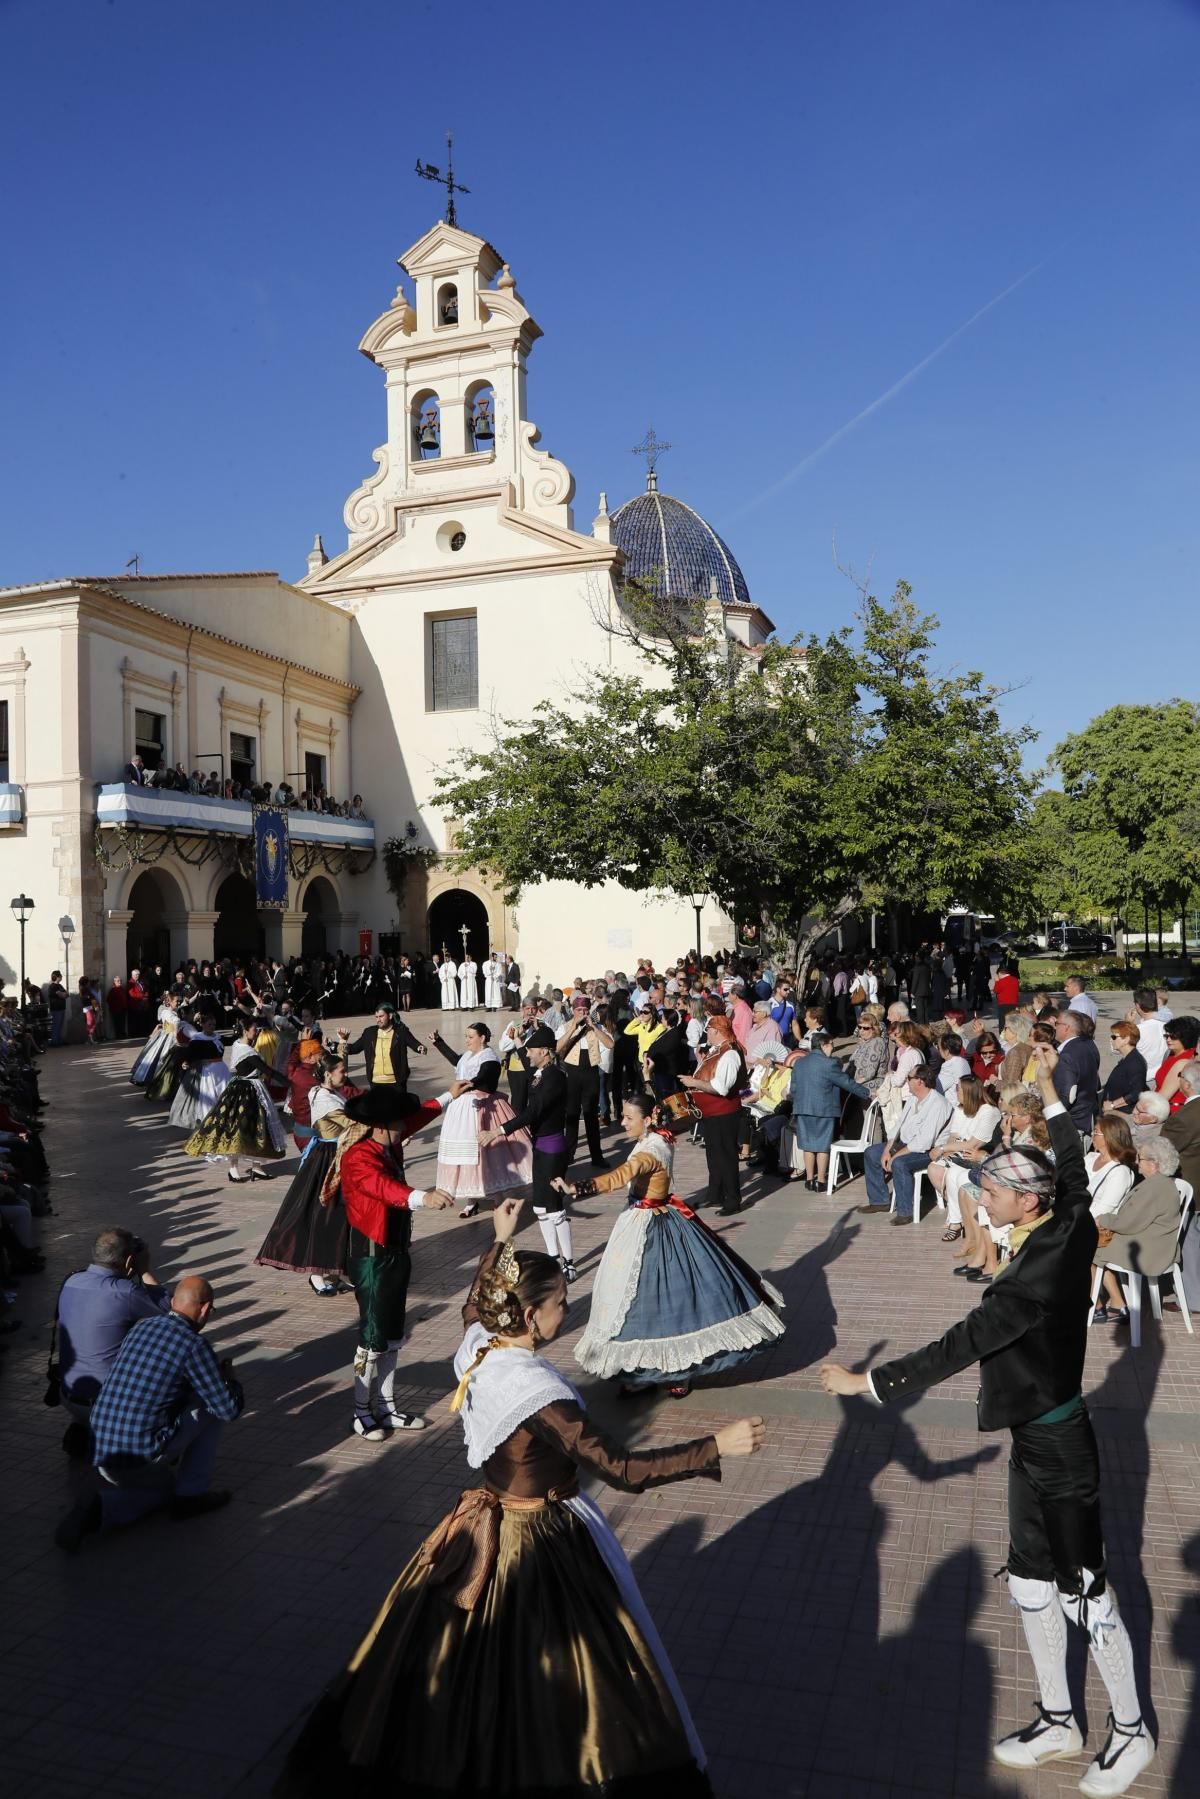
(1131, 1278)
(918, 1183)
(842, 1148)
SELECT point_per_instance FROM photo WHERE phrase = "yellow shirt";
(383, 1074)
(1019, 1235)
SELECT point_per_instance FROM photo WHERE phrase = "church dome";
(674, 552)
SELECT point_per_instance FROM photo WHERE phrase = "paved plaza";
(830, 1607)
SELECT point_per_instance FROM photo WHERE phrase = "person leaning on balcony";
(135, 772)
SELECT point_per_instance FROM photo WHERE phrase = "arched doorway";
(320, 902)
(238, 932)
(154, 899)
(448, 914)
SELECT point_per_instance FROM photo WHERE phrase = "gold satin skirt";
(545, 1689)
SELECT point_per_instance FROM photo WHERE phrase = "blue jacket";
(819, 1084)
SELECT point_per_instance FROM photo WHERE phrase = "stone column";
(116, 928)
(341, 932)
(198, 936)
(292, 935)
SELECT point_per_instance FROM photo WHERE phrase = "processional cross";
(464, 933)
(651, 449)
(429, 171)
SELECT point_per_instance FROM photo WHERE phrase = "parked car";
(1078, 940)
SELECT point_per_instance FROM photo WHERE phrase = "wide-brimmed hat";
(380, 1106)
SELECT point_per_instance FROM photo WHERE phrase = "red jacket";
(373, 1177)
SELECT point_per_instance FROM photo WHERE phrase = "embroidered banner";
(271, 857)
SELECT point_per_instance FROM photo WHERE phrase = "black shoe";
(195, 1505)
(569, 1272)
(77, 1441)
(874, 1211)
(729, 1211)
(599, 1162)
(80, 1522)
(901, 1218)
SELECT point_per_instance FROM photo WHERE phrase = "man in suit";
(512, 985)
(135, 772)
(1029, 1337)
(1077, 1075)
(385, 1046)
(1182, 1128)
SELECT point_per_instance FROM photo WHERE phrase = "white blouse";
(724, 1076)
(979, 1129)
(1109, 1185)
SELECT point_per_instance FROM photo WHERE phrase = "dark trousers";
(380, 1277)
(548, 1165)
(518, 1088)
(920, 1008)
(721, 1133)
(583, 1098)
(1054, 1504)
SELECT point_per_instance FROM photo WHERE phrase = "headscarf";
(1024, 1170)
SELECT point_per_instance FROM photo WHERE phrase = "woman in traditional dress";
(466, 1169)
(515, 1655)
(158, 1044)
(671, 1300)
(245, 1121)
(202, 1073)
(309, 1234)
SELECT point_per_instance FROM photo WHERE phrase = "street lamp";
(66, 930)
(698, 902)
(22, 906)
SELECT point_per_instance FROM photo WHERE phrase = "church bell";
(481, 423)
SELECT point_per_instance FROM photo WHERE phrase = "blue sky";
(745, 224)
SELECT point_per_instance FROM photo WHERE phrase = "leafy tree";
(1130, 783)
(793, 784)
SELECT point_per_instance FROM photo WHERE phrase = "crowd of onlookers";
(24, 1170)
(214, 786)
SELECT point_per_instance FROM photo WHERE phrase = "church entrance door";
(447, 916)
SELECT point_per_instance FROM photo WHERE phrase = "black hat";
(541, 1037)
(380, 1106)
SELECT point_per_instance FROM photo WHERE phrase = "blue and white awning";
(161, 808)
(12, 803)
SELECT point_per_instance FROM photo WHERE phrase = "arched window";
(427, 427)
(447, 304)
(481, 417)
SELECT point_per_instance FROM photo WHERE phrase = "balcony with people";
(170, 797)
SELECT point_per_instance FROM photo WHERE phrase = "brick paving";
(829, 1607)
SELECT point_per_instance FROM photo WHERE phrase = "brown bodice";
(548, 1449)
(643, 1174)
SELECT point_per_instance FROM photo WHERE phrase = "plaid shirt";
(162, 1367)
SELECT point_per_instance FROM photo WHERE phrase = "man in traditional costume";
(385, 1046)
(1029, 1336)
(379, 1204)
(544, 1116)
(447, 975)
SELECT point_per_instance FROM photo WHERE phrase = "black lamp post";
(698, 907)
(22, 906)
(66, 930)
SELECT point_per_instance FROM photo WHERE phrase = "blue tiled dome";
(674, 552)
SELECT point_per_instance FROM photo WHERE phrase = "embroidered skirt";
(197, 1090)
(164, 1082)
(307, 1237)
(553, 1684)
(672, 1301)
(469, 1172)
(243, 1122)
(151, 1057)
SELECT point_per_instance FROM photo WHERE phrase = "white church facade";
(464, 595)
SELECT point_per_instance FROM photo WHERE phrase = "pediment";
(446, 247)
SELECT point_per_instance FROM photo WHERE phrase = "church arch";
(319, 905)
(453, 909)
(427, 426)
(480, 408)
(158, 906)
(238, 931)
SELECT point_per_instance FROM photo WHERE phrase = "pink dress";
(464, 1169)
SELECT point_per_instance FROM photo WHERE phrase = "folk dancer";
(308, 1235)
(544, 1116)
(385, 1046)
(202, 1072)
(716, 1085)
(245, 1121)
(464, 1168)
(369, 1168)
(671, 1300)
(1029, 1336)
(521, 1604)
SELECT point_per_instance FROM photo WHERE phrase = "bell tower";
(454, 357)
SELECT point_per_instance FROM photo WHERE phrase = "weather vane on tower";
(651, 449)
(429, 171)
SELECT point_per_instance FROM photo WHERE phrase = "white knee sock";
(1111, 1649)
(563, 1232)
(546, 1226)
(387, 1372)
(1046, 1636)
(366, 1379)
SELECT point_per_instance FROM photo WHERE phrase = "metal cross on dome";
(429, 171)
(651, 449)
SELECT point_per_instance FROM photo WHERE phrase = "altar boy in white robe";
(493, 984)
(468, 985)
(447, 976)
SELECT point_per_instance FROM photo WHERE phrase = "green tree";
(1129, 784)
(793, 785)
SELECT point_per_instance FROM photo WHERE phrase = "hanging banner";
(271, 858)
(364, 943)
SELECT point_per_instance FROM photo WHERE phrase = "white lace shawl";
(508, 1386)
(471, 1061)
